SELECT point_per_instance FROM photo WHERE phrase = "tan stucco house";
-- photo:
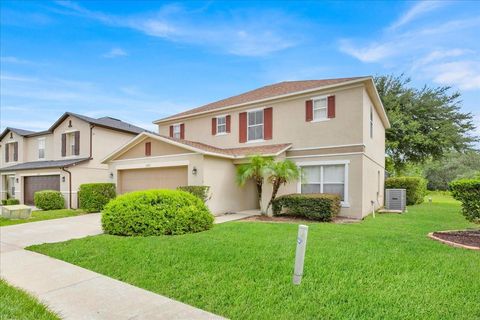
(334, 129)
(62, 158)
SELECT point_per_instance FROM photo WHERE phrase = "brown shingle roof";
(270, 91)
(271, 149)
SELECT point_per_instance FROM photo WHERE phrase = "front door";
(10, 187)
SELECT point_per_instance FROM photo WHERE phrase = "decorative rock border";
(451, 243)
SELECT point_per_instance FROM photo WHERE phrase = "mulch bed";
(469, 239)
(289, 219)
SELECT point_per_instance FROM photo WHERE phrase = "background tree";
(256, 169)
(452, 167)
(426, 123)
(279, 174)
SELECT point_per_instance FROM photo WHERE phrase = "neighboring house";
(334, 129)
(61, 158)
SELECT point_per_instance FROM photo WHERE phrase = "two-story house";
(61, 158)
(333, 129)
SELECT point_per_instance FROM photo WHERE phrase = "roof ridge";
(269, 91)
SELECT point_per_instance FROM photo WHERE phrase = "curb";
(450, 243)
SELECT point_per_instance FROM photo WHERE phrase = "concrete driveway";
(74, 292)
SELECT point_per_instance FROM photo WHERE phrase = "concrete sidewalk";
(74, 292)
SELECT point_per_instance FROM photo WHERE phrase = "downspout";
(69, 187)
(91, 141)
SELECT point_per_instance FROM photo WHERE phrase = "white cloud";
(371, 53)
(115, 52)
(464, 74)
(242, 33)
(417, 10)
(15, 60)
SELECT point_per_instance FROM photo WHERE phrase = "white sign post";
(300, 253)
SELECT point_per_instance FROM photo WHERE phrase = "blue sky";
(141, 61)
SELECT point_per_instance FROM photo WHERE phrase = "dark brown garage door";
(39, 183)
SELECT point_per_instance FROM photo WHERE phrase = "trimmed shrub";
(468, 192)
(156, 212)
(318, 206)
(49, 200)
(9, 202)
(202, 192)
(416, 187)
(93, 197)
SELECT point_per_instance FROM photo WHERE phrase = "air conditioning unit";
(396, 199)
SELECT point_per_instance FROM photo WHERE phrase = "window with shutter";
(7, 152)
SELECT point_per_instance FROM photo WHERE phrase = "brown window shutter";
(268, 125)
(214, 126)
(77, 142)
(148, 148)
(6, 152)
(182, 131)
(308, 110)
(64, 144)
(228, 119)
(331, 107)
(15, 151)
(243, 127)
(171, 131)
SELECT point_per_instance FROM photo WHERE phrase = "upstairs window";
(255, 125)
(71, 143)
(222, 125)
(11, 151)
(320, 109)
(176, 131)
(41, 148)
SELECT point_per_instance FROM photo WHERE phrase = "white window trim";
(345, 203)
(11, 148)
(256, 125)
(177, 125)
(225, 125)
(326, 108)
(44, 148)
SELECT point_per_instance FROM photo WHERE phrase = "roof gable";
(198, 147)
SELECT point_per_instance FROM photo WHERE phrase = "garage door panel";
(38, 183)
(152, 178)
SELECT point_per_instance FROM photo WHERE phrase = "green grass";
(42, 215)
(16, 304)
(383, 268)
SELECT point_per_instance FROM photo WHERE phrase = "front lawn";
(383, 268)
(42, 215)
(16, 304)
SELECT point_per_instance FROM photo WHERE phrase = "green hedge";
(156, 212)
(468, 192)
(93, 197)
(9, 202)
(321, 207)
(202, 192)
(49, 200)
(416, 187)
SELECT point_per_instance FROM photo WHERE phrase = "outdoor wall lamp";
(63, 179)
(16, 180)
(111, 175)
(194, 171)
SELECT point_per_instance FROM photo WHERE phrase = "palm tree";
(256, 169)
(279, 173)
